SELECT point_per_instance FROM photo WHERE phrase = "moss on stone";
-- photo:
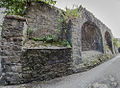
(100, 59)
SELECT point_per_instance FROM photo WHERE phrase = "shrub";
(30, 33)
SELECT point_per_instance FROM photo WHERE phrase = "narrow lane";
(83, 80)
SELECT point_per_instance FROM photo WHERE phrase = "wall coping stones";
(47, 48)
(15, 17)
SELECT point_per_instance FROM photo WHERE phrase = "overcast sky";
(108, 11)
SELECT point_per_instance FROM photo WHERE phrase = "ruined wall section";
(43, 19)
(76, 34)
(75, 40)
(88, 16)
(11, 49)
(45, 64)
(22, 65)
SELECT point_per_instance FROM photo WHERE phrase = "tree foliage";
(18, 7)
(116, 42)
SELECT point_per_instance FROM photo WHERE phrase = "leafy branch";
(18, 7)
(116, 42)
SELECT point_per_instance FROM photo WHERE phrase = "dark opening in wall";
(91, 37)
(119, 49)
(108, 41)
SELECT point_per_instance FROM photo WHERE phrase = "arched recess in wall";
(108, 42)
(91, 37)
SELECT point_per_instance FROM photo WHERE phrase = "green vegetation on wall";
(69, 13)
(63, 17)
(47, 39)
(30, 33)
(72, 13)
(51, 39)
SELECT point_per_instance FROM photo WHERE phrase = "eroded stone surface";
(44, 21)
(46, 64)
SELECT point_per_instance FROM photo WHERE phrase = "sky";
(108, 11)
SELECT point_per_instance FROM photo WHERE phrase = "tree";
(116, 42)
(18, 7)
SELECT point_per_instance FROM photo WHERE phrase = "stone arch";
(108, 42)
(91, 37)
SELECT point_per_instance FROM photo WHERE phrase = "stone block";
(16, 69)
(10, 59)
(13, 78)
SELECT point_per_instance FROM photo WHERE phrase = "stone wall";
(76, 43)
(11, 49)
(46, 64)
(98, 42)
(43, 19)
(20, 65)
(91, 37)
(23, 65)
(88, 16)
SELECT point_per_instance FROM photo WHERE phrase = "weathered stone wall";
(43, 64)
(87, 16)
(11, 49)
(77, 26)
(43, 19)
(91, 37)
(21, 65)
(75, 37)
(46, 64)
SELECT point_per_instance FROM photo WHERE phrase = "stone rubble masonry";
(21, 65)
(44, 20)
(11, 49)
(46, 64)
